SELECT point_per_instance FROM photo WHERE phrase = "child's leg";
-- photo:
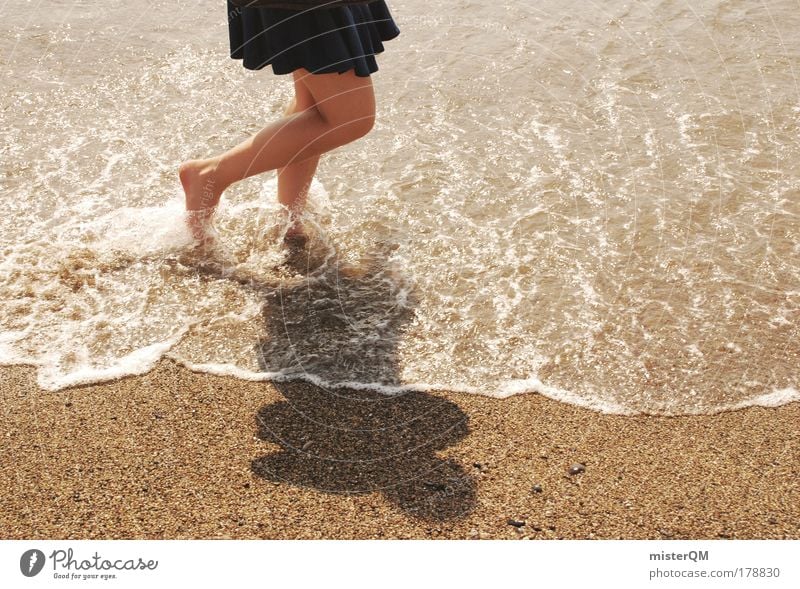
(344, 111)
(294, 180)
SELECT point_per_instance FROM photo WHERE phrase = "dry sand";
(174, 454)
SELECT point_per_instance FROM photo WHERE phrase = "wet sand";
(174, 454)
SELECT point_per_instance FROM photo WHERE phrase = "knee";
(362, 125)
(350, 123)
(351, 127)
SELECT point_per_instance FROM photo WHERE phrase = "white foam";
(142, 231)
(775, 398)
(506, 389)
(137, 362)
(534, 385)
(10, 354)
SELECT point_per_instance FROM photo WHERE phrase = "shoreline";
(181, 455)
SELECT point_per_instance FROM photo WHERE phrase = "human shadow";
(332, 333)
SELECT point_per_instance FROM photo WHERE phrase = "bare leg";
(295, 179)
(344, 110)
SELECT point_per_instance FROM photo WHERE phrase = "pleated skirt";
(321, 40)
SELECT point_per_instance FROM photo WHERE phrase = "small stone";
(536, 488)
(246, 485)
(577, 468)
(435, 486)
(68, 404)
(308, 444)
(516, 523)
(478, 465)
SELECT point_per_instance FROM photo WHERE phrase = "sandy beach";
(178, 455)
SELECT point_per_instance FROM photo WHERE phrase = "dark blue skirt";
(322, 40)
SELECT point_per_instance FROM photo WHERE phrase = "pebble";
(536, 488)
(435, 486)
(308, 444)
(577, 468)
(516, 523)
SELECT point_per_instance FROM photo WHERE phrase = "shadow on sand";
(331, 321)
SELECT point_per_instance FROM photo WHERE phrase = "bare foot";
(296, 228)
(203, 191)
(201, 227)
(296, 235)
(295, 241)
(292, 220)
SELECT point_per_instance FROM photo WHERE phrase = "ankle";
(214, 172)
(212, 182)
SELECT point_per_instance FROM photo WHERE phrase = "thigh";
(302, 96)
(340, 98)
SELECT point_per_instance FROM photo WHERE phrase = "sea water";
(594, 201)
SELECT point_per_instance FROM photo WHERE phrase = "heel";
(201, 224)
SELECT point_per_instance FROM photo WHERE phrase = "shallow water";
(594, 201)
